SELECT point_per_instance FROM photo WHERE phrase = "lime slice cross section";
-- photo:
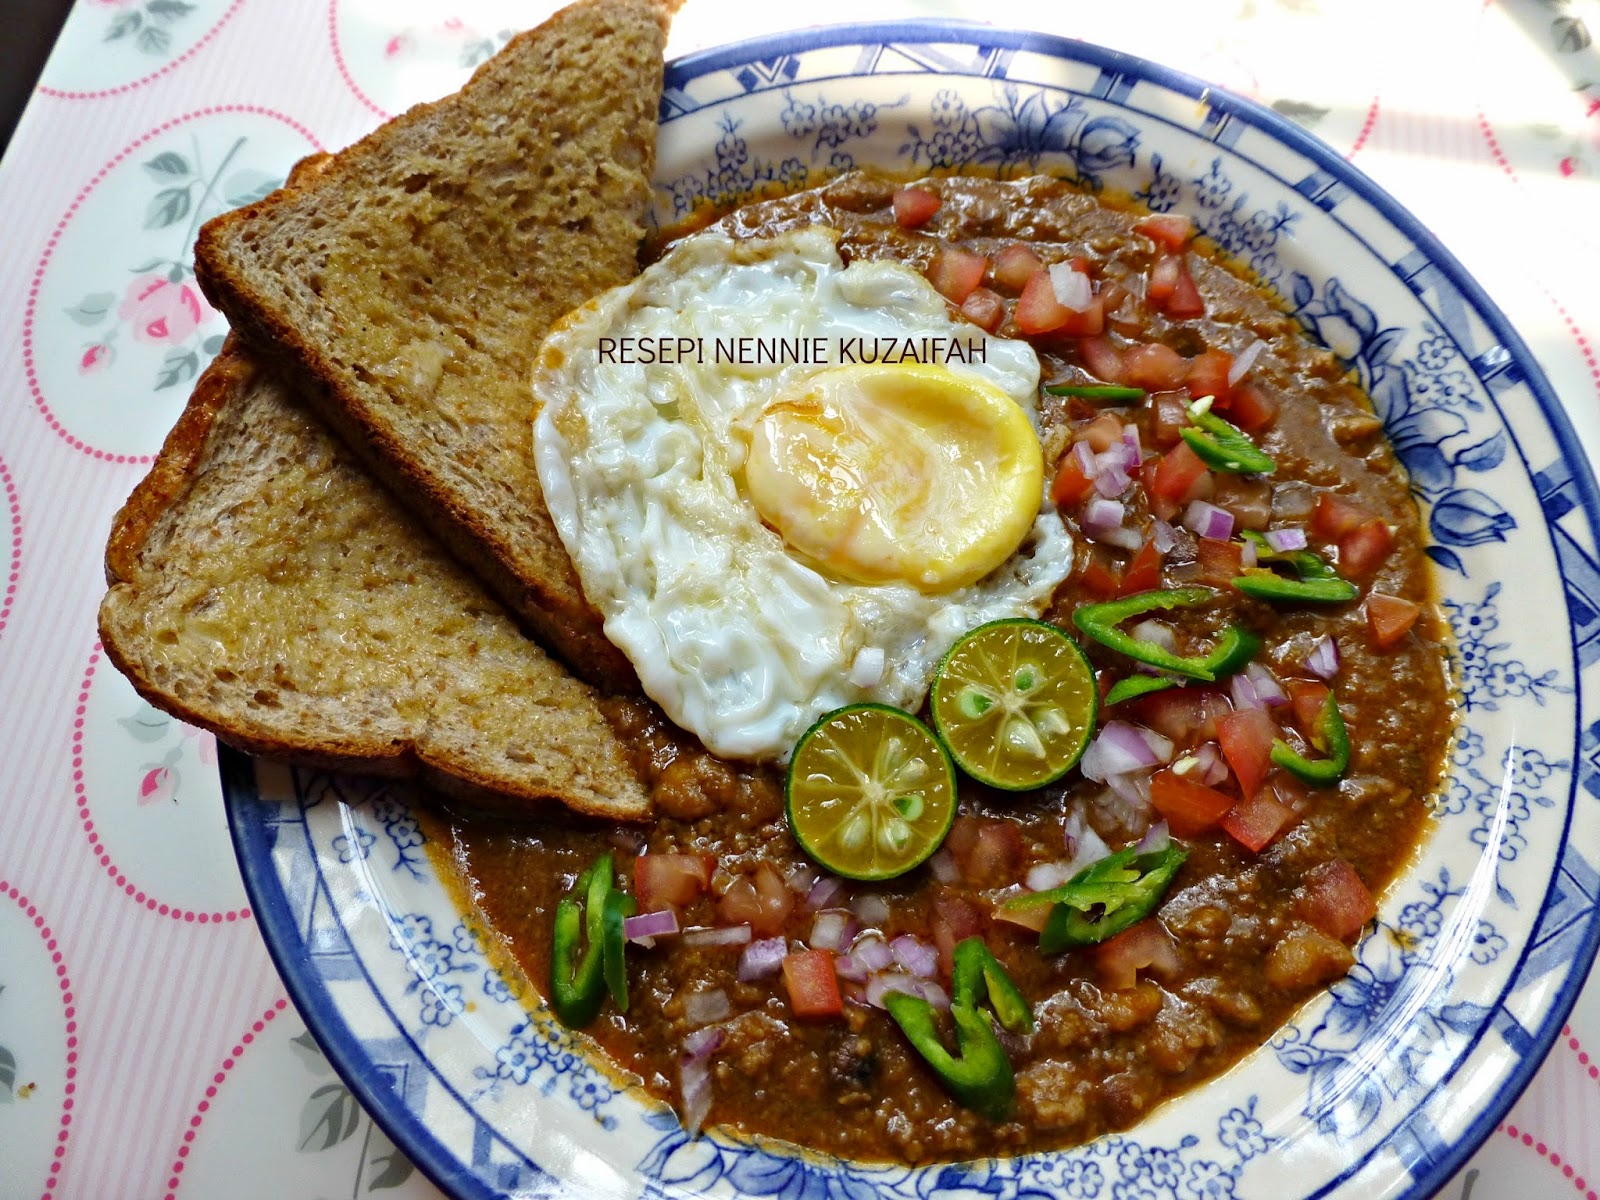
(1015, 701)
(871, 792)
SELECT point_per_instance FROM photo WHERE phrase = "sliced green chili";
(1234, 647)
(978, 977)
(1134, 686)
(1104, 898)
(1223, 446)
(1316, 582)
(979, 1074)
(577, 973)
(613, 945)
(1107, 393)
(1330, 737)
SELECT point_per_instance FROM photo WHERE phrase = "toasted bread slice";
(265, 587)
(405, 289)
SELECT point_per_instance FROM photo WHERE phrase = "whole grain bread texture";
(406, 288)
(265, 587)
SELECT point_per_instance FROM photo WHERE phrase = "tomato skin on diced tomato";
(1098, 579)
(1145, 945)
(956, 273)
(1038, 310)
(955, 920)
(1071, 487)
(1332, 898)
(1190, 807)
(1306, 697)
(675, 879)
(1251, 408)
(1171, 231)
(1103, 360)
(1143, 572)
(1363, 549)
(988, 851)
(985, 309)
(1179, 470)
(1246, 740)
(1186, 715)
(1217, 563)
(1155, 367)
(759, 899)
(1390, 618)
(1208, 376)
(813, 987)
(1102, 433)
(1015, 265)
(1255, 822)
(914, 207)
(1186, 300)
(1334, 516)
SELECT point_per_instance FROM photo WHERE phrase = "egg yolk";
(909, 474)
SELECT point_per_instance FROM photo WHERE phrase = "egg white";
(739, 638)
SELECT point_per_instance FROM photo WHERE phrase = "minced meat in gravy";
(1249, 942)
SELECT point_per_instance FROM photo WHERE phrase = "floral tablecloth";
(147, 1047)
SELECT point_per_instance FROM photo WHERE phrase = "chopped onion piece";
(695, 1080)
(824, 892)
(1157, 634)
(832, 930)
(646, 927)
(705, 1008)
(867, 669)
(761, 959)
(1133, 452)
(850, 968)
(1111, 480)
(1291, 538)
(1083, 843)
(1245, 360)
(629, 841)
(1121, 747)
(921, 959)
(1157, 837)
(1242, 690)
(1208, 521)
(802, 878)
(1088, 461)
(1133, 789)
(1247, 554)
(872, 952)
(703, 1043)
(885, 982)
(1072, 287)
(1102, 522)
(717, 935)
(1210, 767)
(1042, 877)
(944, 867)
(1268, 690)
(1323, 661)
(1163, 535)
(871, 909)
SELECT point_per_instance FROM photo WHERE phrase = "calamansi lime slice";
(1015, 701)
(871, 792)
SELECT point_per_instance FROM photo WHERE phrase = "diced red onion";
(824, 892)
(1163, 536)
(706, 1008)
(1121, 747)
(871, 909)
(1244, 361)
(916, 956)
(885, 982)
(802, 878)
(1088, 461)
(1072, 287)
(851, 968)
(1323, 661)
(1084, 845)
(1157, 837)
(1042, 877)
(703, 1043)
(1268, 690)
(1289, 538)
(832, 930)
(717, 935)
(646, 927)
(694, 1071)
(944, 867)
(1102, 522)
(629, 841)
(1210, 767)
(1208, 521)
(1242, 690)
(1157, 634)
(872, 952)
(761, 959)
(1134, 451)
(1111, 478)
(1247, 553)
(1133, 789)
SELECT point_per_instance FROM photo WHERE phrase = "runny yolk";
(898, 473)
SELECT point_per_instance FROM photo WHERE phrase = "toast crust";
(429, 731)
(456, 447)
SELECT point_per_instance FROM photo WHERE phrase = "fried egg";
(767, 538)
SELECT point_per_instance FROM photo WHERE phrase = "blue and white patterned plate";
(1379, 1088)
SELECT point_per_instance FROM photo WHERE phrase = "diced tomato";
(1179, 470)
(954, 920)
(956, 272)
(1251, 408)
(1091, 322)
(1363, 549)
(1103, 360)
(1143, 572)
(1034, 918)
(1253, 823)
(1163, 280)
(676, 879)
(813, 987)
(995, 856)
(1189, 807)
(1104, 432)
(1169, 230)
(1038, 310)
(985, 309)
(1098, 579)
(1144, 946)
(1306, 697)
(1015, 265)
(1168, 414)
(1186, 300)
(759, 900)
(1246, 740)
(1390, 618)
(1218, 562)
(914, 207)
(1333, 899)
(1155, 367)
(1071, 486)
(1335, 516)
(1186, 715)
(1208, 376)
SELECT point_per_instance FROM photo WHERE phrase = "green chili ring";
(979, 1074)
(1335, 740)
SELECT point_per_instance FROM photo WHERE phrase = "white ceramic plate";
(1381, 1087)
